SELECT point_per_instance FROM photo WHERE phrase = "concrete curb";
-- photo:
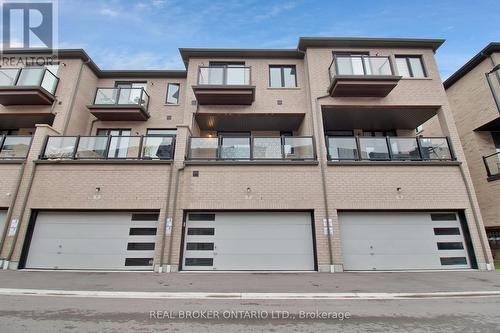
(243, 296)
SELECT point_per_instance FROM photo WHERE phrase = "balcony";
(27, 86)
(224, 85)
(120, 104)
(361, 76)
(109, 148)
(492, 163)
(14, 147)
(284, 148)
(352, 148)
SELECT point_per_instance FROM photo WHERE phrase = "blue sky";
(146, 34)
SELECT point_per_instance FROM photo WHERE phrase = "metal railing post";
(75, 149)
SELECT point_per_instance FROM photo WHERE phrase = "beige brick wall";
(9, 174)
(472, 105)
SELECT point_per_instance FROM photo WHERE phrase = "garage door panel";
(92, 240)
(274, 262)
(262, 246)
(401, 240)
(252, 241)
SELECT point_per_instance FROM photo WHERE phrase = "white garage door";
(248, 241)
(3, 214)
(398, 241)
(93, 240)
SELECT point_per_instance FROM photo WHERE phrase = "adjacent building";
(300, 159)
(474, 96)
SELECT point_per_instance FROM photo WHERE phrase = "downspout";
(11, 206)
(484, 244)
(73, 98)
(314, 106)
(21, 214)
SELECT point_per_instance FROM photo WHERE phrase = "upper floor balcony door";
(225, 73)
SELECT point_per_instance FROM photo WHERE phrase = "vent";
(145, 217)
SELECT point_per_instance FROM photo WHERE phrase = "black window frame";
(408, 64)
(179, 92)
(282, 75)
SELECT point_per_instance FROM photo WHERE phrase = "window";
(138, 261)
(199, 261)
(160, 131)
(200, 246)
(379, 133)
(142, 231)
(282, 76)
(443, 217)
(450, 246)
(201, 231)
(113, 132)
(410, 66)
(140, 246)
(173, 93)
(145, 217)
(453, 261)
(446, 231)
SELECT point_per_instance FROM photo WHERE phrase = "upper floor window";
(410, 66)
(114, 132)
(173, 93)
(282, 76)
(161, 131)
(130, 84)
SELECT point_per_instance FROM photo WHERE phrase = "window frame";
(282, 76)
(179, 92)
(161, 129)
(407, 58)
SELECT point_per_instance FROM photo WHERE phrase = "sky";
(146, 34)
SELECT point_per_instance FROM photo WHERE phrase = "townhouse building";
(300, 159)
(474, 95)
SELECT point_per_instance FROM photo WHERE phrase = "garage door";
(248, 241)
(398, 241)
(3, 214)
(93, 240)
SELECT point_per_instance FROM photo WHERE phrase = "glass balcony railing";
(109, 147)
(14, 147)
(122, 97)
(251, 148)
(224, 75)
(29, 77)
(492, 163)
(354, 148)
(360, 65)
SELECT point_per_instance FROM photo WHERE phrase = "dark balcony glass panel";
(404, 148)
(435, 149)
(342, 148)
(15, 147)
(374, 149)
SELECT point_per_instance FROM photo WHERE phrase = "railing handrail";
(42, 77)
(119, 89)
(141, 146)
(494, 154)
(418, 140)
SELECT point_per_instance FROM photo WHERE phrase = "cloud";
(276, 10)
(109, 12)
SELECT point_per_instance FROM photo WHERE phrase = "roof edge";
(187, 53)
(81, 54)
(472, 63)
(305, 42)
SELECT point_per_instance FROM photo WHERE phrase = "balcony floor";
(119, 112)
(28, 95)
(363, 86)
(224, 94)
